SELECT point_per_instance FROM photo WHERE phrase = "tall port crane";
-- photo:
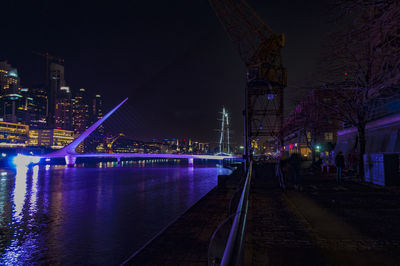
(260, 49)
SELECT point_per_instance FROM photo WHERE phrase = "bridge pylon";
(69, 151)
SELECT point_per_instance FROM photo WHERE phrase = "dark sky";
(171, 58)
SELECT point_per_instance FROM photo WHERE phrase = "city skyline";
(27, 121)
(169, 83)
(54, 105)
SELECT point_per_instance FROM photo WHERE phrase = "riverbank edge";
(226, 185)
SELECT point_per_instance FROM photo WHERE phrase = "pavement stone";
(325, 224)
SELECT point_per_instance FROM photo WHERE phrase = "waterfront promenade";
(325, 224)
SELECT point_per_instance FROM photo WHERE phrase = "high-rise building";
(97, 142)
(63, 109)
(80, 112)
(40, 106)
(9, 104)
(97, 108)
(27, 106)
(25, 109)
(9, 92)
(9, 80)
(97, 113)
(55, 94)
(4, 69)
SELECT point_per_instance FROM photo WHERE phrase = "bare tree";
(363, 62)
(311, 118)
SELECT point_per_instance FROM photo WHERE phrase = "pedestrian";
(339, 162)
(280, 170)
(295, 165)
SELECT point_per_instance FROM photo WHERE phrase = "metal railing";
(233, 252)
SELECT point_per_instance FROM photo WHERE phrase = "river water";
(96, 215)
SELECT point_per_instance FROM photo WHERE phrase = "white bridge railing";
(234, 248)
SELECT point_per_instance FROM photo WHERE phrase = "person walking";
(295, 165)
(339, 162)
(280, 170)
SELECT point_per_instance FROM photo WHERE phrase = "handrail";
(234, 246)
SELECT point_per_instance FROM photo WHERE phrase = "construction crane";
(49, 58)
(260, 49)
(111, 140)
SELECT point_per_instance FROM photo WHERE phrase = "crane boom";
(110, 142)
(260, 49)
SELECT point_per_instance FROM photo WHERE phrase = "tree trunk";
(361, 151)
(313, 143)
(313, 156)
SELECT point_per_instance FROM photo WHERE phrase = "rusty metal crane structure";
(260, 49)
(110, 141)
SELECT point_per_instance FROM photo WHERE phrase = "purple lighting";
(70, 155)
(70, 148)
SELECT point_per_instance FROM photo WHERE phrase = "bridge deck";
(141, 155)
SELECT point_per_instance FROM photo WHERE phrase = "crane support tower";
(260, 49)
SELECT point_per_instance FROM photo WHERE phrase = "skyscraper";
(97, 110)
(10, 98)
(40, 98)
(9, 80)
(56, 96)
(80, 112)
(97, 140)
(63, 109)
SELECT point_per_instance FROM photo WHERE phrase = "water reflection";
(19, 193)
(34, 191)
(23, 237)
(92, 215)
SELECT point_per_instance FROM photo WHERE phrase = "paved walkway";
(308, 228)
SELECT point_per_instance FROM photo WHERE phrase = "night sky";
(171, 58)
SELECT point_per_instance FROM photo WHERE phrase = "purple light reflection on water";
(99, 216)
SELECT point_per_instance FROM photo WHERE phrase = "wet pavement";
(324, 224)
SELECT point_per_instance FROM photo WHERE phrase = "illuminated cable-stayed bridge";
(70, 155)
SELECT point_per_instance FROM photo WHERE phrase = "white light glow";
(24, 160)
